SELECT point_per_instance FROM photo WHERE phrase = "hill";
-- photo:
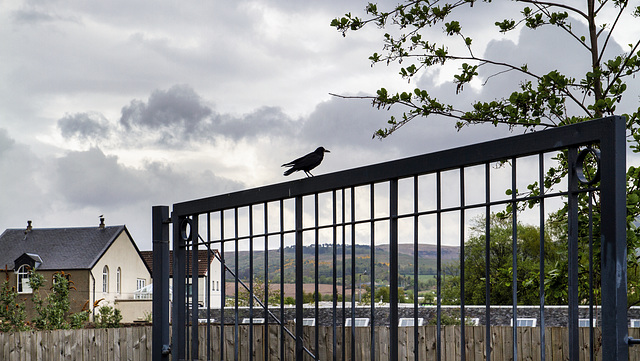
(427, 258)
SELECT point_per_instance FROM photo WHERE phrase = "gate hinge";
(633, 341)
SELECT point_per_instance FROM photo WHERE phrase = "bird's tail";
(288, 171)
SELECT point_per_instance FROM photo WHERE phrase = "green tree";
(501, 270)
(258, 293)
(12, 313)
(425, 35)
(53, 311)
(108, 317)
(545, 97)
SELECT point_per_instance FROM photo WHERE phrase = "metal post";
(160, 234)
(299, 278)
(393, 269)
(572, 256)
(194, 288)
(179, 322)
(614, 242)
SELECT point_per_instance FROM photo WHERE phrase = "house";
(103, 263)
(209, 275)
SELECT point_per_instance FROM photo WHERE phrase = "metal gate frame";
(609, 133)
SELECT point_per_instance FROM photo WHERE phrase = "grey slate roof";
(59, 248)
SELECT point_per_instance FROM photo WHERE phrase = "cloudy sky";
(113, 107)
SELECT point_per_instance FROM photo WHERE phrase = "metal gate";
(373, 223)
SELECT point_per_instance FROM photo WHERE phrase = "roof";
(203, 261)
(59, 248)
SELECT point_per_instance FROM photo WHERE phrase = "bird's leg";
(308, 174)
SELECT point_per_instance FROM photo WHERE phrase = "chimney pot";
(101, 223)
(29, 227)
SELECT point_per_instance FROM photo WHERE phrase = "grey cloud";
(174, 118)
(265, 121)
(5, 141)
(179, 107)
(87, 126)
(93, 179)
(23, 179)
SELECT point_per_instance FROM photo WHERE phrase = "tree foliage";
(545, 98)
(51, 313)
(427, 35)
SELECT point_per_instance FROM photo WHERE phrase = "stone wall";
(500, 315)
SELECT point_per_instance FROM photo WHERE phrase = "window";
(307, 321)
(584, 322)
(255, 320)
(23, 279)
(118, 274)
(140, 283)
(634, 322)
(525, 322)
(360, 322)
(409, 321)
(105, 279)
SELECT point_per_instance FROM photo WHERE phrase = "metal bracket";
(633, 341)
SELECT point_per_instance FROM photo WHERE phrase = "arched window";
(23, 279)
(118, 275)
(105, 279)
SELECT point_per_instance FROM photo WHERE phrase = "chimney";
(101, 226)
(29, 227)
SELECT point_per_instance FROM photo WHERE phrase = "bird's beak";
(327, 151)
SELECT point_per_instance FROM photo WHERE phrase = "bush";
(12, 314)
(108, 317)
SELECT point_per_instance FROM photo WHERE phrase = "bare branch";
(567, 7)
(604, 46)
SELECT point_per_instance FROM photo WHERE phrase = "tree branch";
(567, 7)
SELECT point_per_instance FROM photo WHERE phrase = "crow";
(306, 163)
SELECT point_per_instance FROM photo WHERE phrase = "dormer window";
(23, 279)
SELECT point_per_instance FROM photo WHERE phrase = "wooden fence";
(134, 343)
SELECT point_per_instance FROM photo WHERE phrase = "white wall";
(121, 254)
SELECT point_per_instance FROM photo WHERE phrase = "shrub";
(108, 317)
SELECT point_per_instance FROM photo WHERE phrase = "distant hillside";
(426, 262)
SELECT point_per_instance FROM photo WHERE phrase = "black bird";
(306, 163)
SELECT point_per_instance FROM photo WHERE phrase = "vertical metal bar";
(316, 274)
(251, 276)
(194, 287)
(335, 274)
(236, 328)
(282, 325)
(487, 260)
(462, 294)
(372, 274)
(416, 250)
(514, 257)
(614, 242)
(573, 257)
(209, 285)
(299, 277)
(160, 233)
(344, 277)
(179, 322)
(267, 354)
(353, 272)
(223, 288)
(541, 173)
(591, 298)
(393, 269)
(438, 266)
